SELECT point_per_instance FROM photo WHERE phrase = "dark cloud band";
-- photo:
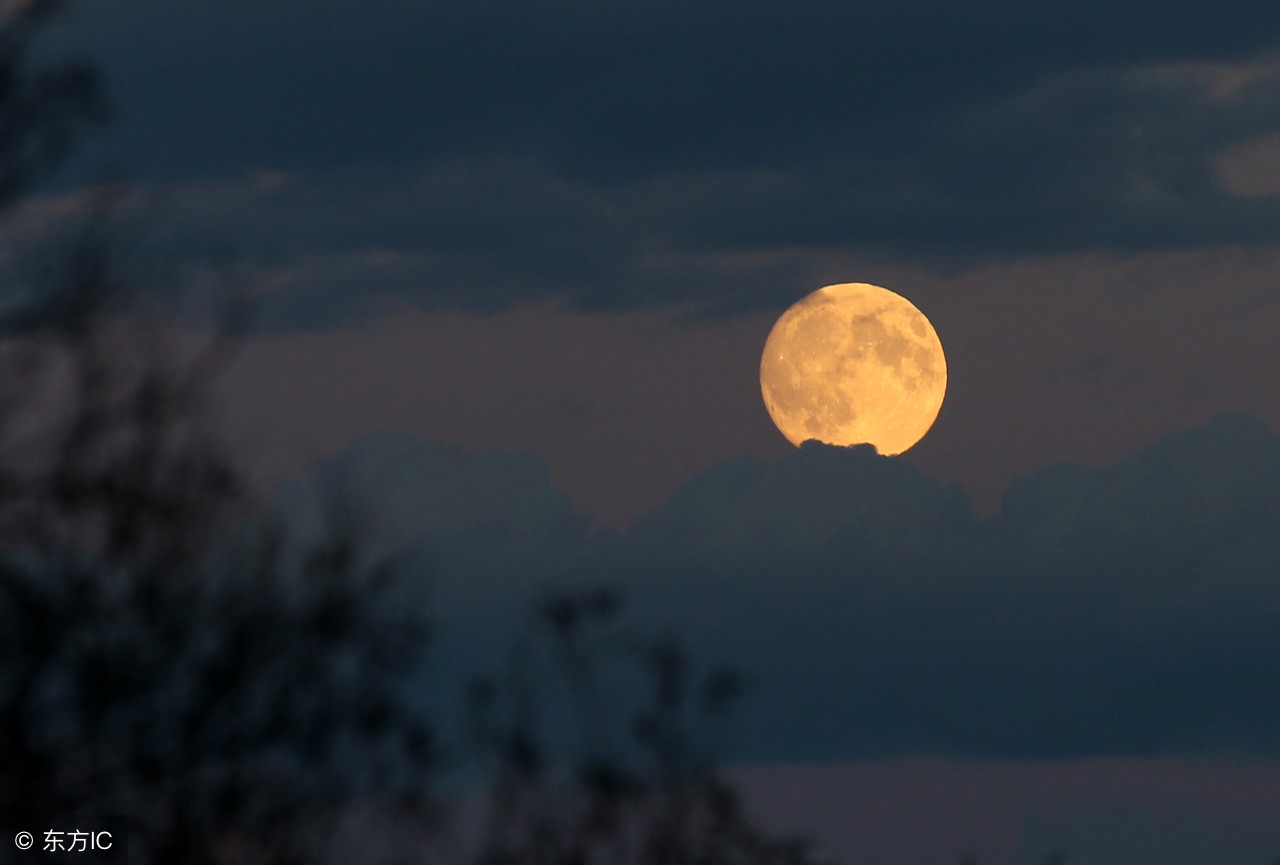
(569, 146)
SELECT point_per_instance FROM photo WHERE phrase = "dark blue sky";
(515, 261)
(621, 196)
(600, 153)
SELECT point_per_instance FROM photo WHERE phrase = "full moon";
(854, 364)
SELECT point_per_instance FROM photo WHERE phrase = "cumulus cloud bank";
(1129, 609)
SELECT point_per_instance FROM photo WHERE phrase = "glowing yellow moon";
(854, 364)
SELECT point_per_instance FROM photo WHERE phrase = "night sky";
(515, 265)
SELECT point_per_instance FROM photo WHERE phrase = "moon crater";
(854, 364)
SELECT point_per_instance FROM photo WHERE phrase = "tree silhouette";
(640, 784)
(229, 700)
(234, 698)
(229, 694)
(44, 109)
